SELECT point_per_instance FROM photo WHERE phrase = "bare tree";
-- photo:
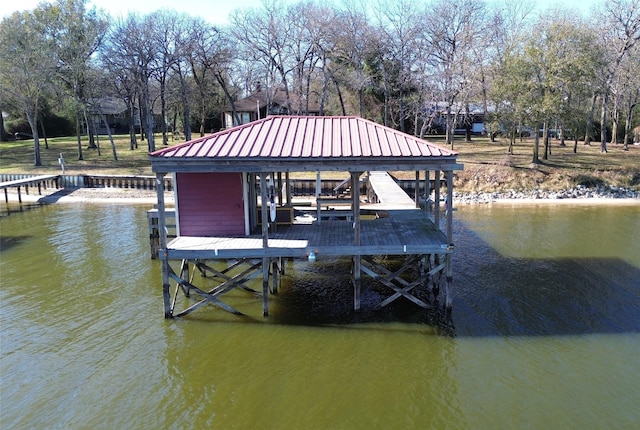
(28, 65)
(264, 35)
(212, 63)
(78, 33)
(129, 47)
(627, 92)
(453, 32)
(619, 31)
(352, 54)
(398, 24)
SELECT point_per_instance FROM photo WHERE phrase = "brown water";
(545, 333)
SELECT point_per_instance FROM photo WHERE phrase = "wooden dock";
(384, 236)
(404, 229)
(39, 181)
(386, 194)
(223, 179)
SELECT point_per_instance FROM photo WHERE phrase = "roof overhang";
(299, 144)
(303, 165)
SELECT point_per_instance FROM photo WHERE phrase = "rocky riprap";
(578, 192)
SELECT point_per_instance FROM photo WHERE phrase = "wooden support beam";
(237, 281)
(276, 271)
(449, 213)
(416, 189)
(355, 206)
(449, 232)
(265, 212)
(279, 190)
(393, 280)
(207, 297)
(184, 274)
(436, 197)
(265, 286)
(288, 188)
(356, 275)
(162, 251)
(427, 193)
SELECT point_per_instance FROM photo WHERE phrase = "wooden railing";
(299, 187)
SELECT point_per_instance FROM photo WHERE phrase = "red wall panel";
(210, 204)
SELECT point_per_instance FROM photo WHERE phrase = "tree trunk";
(32, 118)
(79, 134)
(512, 140)
(186, 112)
(536, 146)
(113, 145)
(203, 113)
(627, 127)
(615, 116)
(343, 109)
(467, 123)
(92, 142)
(450, 127)
(603, 122)
(133, 142)
(3, 133)
(163, 112)
(174, 123)
(148, 116)
(44, 135)
(588, 133)
(90, 132)
(545, 140)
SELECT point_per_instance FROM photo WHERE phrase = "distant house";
(265, 102)
(114, 111)
(465, 116)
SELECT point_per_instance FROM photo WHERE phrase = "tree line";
(417, 66)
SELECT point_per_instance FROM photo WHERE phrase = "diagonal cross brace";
(388, 278)
(235, 281)
(207, 297)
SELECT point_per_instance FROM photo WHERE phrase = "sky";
(214, 11)
(217, 11)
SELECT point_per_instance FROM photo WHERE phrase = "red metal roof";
(306, 137)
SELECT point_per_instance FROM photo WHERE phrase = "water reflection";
(501, 291)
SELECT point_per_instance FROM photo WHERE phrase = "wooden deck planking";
(389, 194)
(25, 182)
(404, 230)
(378, 237)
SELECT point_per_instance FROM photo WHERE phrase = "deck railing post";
(416, 191)
(436, 197)
(264, 210)
(427, 193)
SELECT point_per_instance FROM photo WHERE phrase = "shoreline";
(580, 196)
(91, 195)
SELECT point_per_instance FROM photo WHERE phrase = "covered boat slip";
(254, 246)
(396, 234)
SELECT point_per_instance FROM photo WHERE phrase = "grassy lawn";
(488, 166)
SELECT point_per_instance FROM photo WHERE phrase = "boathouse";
(223, 181)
